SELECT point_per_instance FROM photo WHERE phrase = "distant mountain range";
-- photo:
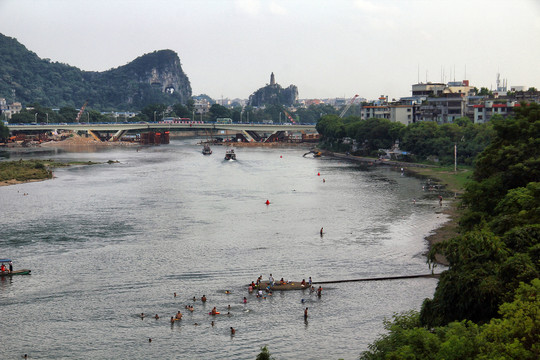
(152, 78)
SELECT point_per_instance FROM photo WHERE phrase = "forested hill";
(152, 78)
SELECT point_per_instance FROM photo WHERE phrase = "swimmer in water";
(156, 317)
(172, 319)
(305, 313)
(178, 315)
(233, 331)
(214, 311)
(142, 315)
(203, 299)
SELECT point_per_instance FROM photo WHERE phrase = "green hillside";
(152, 78)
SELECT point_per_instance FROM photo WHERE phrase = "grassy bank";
(15, 172)
(453, 181)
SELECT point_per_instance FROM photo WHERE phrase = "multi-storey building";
(444, 109)
(9, 109)
(202, 106)
(375, 111)
(403, 113)
(484, 112)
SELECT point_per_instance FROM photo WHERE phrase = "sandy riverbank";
(16, 182)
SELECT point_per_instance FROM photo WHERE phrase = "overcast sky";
(328, 48)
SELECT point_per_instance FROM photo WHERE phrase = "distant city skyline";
(328, 49)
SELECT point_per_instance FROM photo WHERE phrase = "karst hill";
(152, 78)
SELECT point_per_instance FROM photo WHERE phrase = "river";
(108, 242)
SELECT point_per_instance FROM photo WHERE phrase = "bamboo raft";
(291, 285)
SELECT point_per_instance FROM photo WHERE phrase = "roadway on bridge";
(163, 126)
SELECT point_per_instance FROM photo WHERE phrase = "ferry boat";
(230, 155)
(206, 150)
(7, 264)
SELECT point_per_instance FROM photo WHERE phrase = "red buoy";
(267, 202)
(318, 174)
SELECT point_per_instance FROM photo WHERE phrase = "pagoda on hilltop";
(274, 94)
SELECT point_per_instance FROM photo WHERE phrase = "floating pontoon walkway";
(379, 278)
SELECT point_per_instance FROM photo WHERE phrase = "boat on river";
(230, 155)
(206, 150)
(8, 265)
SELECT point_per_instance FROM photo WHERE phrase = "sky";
(327, 48)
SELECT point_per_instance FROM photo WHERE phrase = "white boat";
(230, 155)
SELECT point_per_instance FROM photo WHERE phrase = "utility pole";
(455, 157)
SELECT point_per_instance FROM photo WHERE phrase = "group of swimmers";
(253, 285)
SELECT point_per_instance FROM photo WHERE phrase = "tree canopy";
(422, 139)
(513, 335)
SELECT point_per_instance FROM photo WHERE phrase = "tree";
(485, 92)
(96, 116)
(331, 127)
(512, 336)
(511, 160)
(520, 206)
(406, 339)
(313, 113)
(471, 288)
(418, 138)
(264, 354)
(68, 114)
(182, 111)
(154, 112)
(516, 334)
(4, 131)
(219, 111)
(236, 114)
(374, 134)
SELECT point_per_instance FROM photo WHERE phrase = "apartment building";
(484, 112)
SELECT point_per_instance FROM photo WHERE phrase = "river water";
(108, 242)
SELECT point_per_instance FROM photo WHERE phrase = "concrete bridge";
(250, 130)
